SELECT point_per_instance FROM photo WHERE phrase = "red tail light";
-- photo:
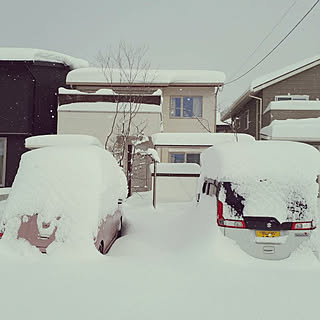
(308, 225)
(227, 223)
(1, 235)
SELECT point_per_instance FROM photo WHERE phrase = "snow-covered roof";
(28, 54)
(196, 139)
(157, 77)
(218, 120)
(61, 140)
(106, 92)
(270, 79)
(176, 168)
(293, 129)
(284, 73)
(108, 107)
(293, 105)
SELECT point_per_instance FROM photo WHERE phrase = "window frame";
(185, 156)
(3, 180)
(303, 97)
(247, 120)
(172, 116)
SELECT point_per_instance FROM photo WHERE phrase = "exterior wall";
(252, 106)
(186, 124)
(176, 189)
(304, 83)
(98, 124)
(28, 105)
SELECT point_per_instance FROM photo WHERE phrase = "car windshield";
(265, 198)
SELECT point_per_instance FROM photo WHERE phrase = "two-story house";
(255, 109)
(175, 101)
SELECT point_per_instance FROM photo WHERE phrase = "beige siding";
(184, 124)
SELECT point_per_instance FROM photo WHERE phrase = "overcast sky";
(180, 34)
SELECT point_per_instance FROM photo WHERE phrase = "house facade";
(175, 101)
(29, 82)
(299, 82)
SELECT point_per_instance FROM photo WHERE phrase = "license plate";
(268, 234)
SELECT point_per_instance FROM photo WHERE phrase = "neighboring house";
(300, 130)
(186, 147)
(300, 81)
(29, 82)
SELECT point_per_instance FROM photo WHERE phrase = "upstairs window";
(186, 107)
(291, 97)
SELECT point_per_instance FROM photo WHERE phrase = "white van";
(264, 194)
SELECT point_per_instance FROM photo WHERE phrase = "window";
(3, 146)
(186, 107)
(181, 157)
(291, 97)
(246, 120)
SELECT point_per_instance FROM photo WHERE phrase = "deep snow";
(172, 264)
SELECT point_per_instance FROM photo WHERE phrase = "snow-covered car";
(67, 193)
(264, 194)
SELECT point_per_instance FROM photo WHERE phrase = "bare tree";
(127, 72)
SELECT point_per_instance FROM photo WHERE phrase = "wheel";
(101, 247)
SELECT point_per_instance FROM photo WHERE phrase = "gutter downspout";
(215, 109)
(259, 126)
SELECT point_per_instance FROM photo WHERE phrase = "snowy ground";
(171, 264)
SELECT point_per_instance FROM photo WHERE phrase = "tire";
(101, 247)
(119, 234)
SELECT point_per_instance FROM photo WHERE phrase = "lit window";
(186, 107)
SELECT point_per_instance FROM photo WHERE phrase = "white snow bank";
(164, 77)
(109, 107)
(197, 139)
(269, 175)
(293, 129)
(4, 191)
(176, 168)
(79, 184)
(293, 105)
(61, 140)
(28, 54)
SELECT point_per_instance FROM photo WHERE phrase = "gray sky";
(180, 34)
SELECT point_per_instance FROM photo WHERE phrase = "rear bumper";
(276, 248)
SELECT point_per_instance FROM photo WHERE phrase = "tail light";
(308, 225)
(1, 235)
(227, 223)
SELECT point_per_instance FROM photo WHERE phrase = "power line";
(274, 48)
(264, 39)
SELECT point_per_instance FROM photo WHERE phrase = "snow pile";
(79, 184)
(156, 77)
(61, 140)
(28, 54)
(109, 107)
(270, 176)
(293, 129)
(197, 139)
(107, 92)
(293, 105)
